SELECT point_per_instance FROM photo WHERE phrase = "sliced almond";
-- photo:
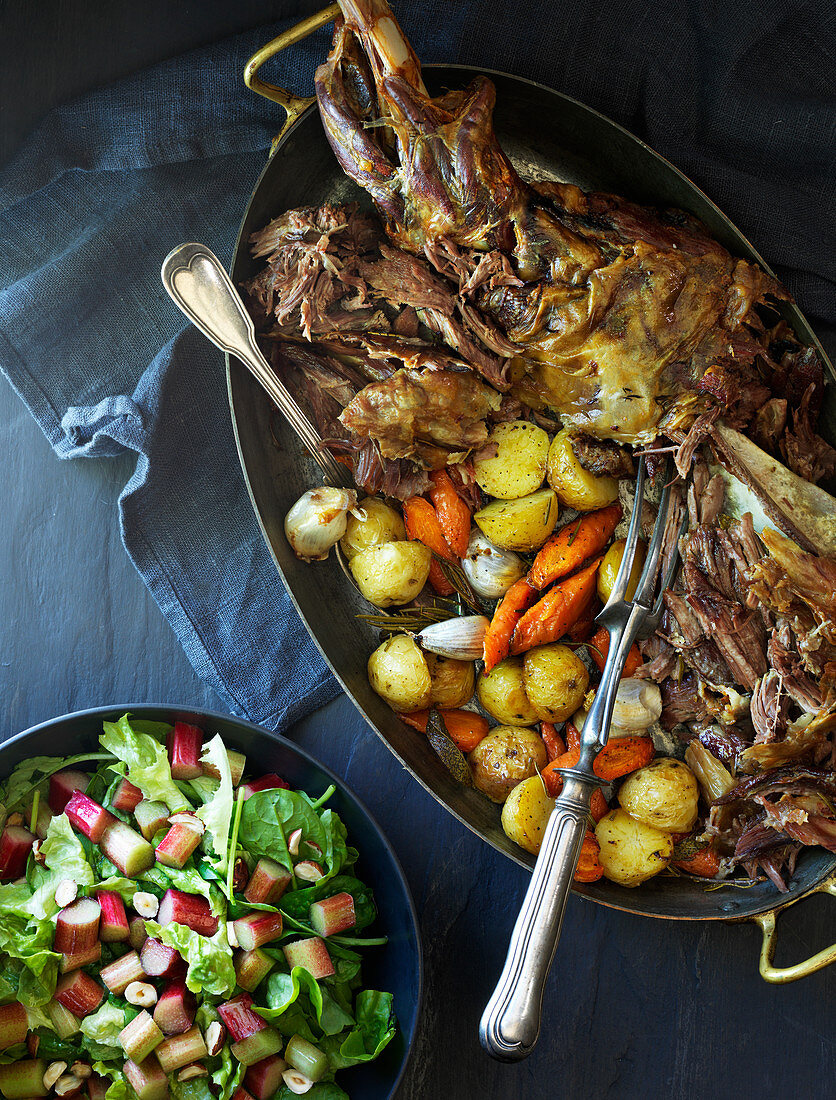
(66, 892)
(81, 1069)
(195, 1069)
(214, 1038)
(67, 1083)
(231, 938)
(308, 870)
(53, 1072)
(293, 842)
(191, 820)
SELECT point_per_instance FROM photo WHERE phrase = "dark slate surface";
(635, 1008)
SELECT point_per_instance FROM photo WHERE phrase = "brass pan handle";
(294, 105)
(780, 974)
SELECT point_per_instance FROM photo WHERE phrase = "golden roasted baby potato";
(398, 673)
(393, 573)
(609, 567)
(663, 794)
(519, 465)
(504, 758)
(452, 681)
(555, 680)
(631, 852)
(379, 524)
(526, 813)
(502, 693)
(522, 524)
(575, 486)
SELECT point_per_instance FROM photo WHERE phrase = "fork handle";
(510, 1023)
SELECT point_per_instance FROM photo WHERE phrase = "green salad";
(169, 927)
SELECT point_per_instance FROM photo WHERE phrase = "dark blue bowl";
(397, 967)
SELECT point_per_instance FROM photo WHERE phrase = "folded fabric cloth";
(110, 183)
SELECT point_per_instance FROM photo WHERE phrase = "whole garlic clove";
(317, 521)
(638, 704)
(490, 569)
(460, 639)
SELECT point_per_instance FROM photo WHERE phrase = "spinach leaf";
(269, 817)
(298, 903)
(375, 1027)
(322, 1090)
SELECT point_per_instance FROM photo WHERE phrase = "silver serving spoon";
(195, 278)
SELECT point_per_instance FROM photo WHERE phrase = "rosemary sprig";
(454, 575)
(412, 620)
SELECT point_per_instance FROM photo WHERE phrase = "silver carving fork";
(510, 1023)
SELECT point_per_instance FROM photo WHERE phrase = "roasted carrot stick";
(438, 582)
(422, 524)
(555, 745)
(589, 867)
(705, 863)
(599, 647)
(618, 757)
(466, 728)
(554, 783)
(550, 618)
(573, 737)
(567, 550)
(453, 514)
(516, 600)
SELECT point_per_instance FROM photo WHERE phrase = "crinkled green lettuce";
(216, 814)
(147, 760)
(209, 958)
(119, 1089)
(101, 1030)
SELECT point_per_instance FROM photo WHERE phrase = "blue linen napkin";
(111, 182)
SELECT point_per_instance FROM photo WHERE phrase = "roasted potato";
(575, 486)
(519, 465)
(399, 674)
(522, 524)
(664, 794)
(504, 758)
(452, 681)
(609, 567)
(526, 812)
(393, 573)
(555, 680)
(380, 524)
(502, 693)
(631, 852)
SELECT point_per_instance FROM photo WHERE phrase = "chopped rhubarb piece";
(242, 1094)
(177, 845)
(268, 882)
(118, 975)
(45, 815)
(257, 928)
(88, 816)
(175, 1010)
(123, 846)
(333, 915)
(13, 1024)
(237, 763)
(159, 960)
(140, 1037)
(305, 1057)
(15, 846)
(127, 797)
(264, 1078)
(271, 782)
(185, 744)
(61, 787)
(79, 994)
(77, 927)
(80, 958)
(257, 1047)
(138, 935)
(97, 1087)
(188, 909)
(312, 954)
(151, 817)
(23, 1079)
(113, 927)
(239, 1019)
(147, 1079)
(178, 1050)
(252, 967)
(62, 1020)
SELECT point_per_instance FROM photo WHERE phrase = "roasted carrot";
(623, 755)
(465, 727)
(567, 550)
(554, 783)
(705, 863)
(573, 737)
(438, 582)
(555, 745)
(599, 647)
(589, 867)
(453, 514)
(422, 524)
(550, 618)
(516, 600)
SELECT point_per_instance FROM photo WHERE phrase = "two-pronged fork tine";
(510, 1023)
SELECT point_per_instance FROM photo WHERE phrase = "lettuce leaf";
(31, 942)
(147, 760)
(195, 1089)
(284, 989)
(209, 959)
(375, 1027)
(216, 814)
(119, 1089)
(101, 1030)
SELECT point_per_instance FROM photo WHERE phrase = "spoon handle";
(197, 283)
